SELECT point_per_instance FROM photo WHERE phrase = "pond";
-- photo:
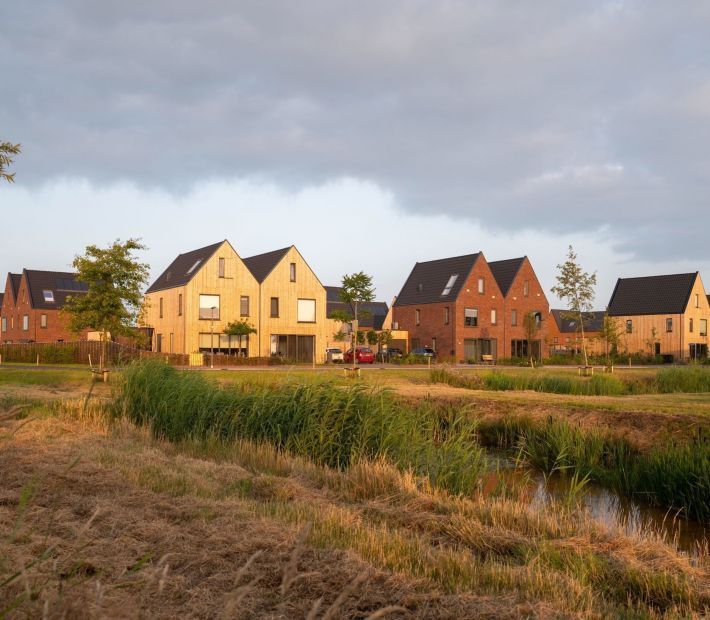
(633, 516)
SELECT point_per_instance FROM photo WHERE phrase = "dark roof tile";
(262, 265)
(183, 268)
(426, 283)
(504, 271)
(652, 295)
(373, 312)
(15, 279)
(49, 290)
(568, 325)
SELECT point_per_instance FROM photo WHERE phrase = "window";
(180, 304)
(160, 304)
(538, 319)
(433, 344)
(494, 316)
(446, 315)
(48, 296)
(191, 269)
(703, 327)
(470, 317)
(244, 305)
(25, 322)
(556, 340)
(629, 326)
(222, 267)
(292, 272)
(417, 317)
(690, 325)
(274, 307)
(209, 307)
(513, 317)
(449, 284)
(4, 324)
(43, 320)
(481, 286)
(159, 343)
(697, 300)
(306, 311)
(526, 288)
(669, 325)
(171, 341)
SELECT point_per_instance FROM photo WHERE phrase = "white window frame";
(449, 284)
(470, 313)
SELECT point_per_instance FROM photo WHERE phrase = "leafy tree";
(356, 289)
(531, 326)
(371, 337)
(651, 341)
(240, 329)
(577, 287)
(610, 335)
(114, 300)
(7, 152)
(383, 340)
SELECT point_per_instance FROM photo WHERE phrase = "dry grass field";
(100, 519)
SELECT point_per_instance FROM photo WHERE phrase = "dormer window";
(48, 296)
(449, 285)
(191, 269)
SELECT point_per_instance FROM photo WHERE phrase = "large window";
(306, 311)
(244, 305)
(703, 327)
(209, 307)
(470, 317)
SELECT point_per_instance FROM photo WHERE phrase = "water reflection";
(633, 516)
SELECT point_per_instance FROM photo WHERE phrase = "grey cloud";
(555, 116)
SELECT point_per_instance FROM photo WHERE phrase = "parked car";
(424, 352)
(363, 355)
(334, 355)
(393, 353)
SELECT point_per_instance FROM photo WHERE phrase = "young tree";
(7, 152)
(383, 340)
(577, 287)
(240, 329)
(610, 335)
(114, 299)
(371, 337)
(356, 289)
(531, 326)
(651, 341)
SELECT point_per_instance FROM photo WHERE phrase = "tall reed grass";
(332, 425)
(664, 381)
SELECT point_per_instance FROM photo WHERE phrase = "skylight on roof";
(449, 285)
(48, 296)
(191, 269)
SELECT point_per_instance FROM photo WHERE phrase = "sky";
(371, 135)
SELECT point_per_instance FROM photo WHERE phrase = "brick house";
(371, 315)
(465, 307)
(564, 335)
(522, 294)
(31, 306)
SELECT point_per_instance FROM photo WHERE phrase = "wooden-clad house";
(291, 315)
(662, 315)
(190, 304)
(32, 303)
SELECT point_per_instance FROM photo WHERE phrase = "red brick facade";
(494, 332)
(16, 314)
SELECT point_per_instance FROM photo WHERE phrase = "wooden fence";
(83, 351)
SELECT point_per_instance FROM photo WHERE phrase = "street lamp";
(212, 309)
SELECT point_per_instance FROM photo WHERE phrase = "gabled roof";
(426, 283)
(652, 295)
(373, 312)
(262, 265)
(593, 321)
(48, 290)
(15, 279)
(504, 271)
(183, 268)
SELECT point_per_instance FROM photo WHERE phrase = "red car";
(363, 355)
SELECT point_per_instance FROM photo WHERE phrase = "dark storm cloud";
(557, 116)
